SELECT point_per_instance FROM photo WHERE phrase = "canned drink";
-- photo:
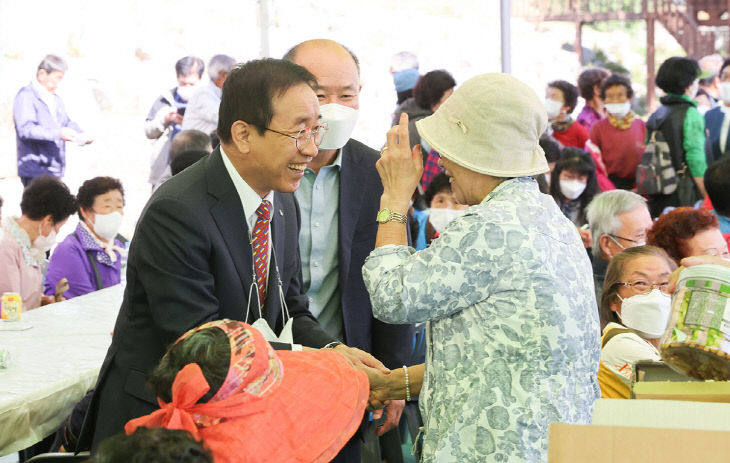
(11, 307)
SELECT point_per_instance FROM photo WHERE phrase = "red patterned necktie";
(260, 244)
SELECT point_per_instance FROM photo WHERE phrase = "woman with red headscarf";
(223, 383)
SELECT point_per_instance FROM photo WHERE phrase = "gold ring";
(383, 150)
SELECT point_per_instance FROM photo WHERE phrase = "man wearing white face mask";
(620, 136)
(165, 117)
(339, 197)
(619, 219)
(91, 257)
(637, 303)
(46, 205)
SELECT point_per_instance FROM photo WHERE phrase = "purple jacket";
(69, 260)
(40, 148)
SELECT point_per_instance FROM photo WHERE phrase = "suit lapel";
(230, 218)
(352, 176)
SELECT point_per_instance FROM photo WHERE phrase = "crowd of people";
(282, 273)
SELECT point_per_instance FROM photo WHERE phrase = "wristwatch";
(386, 215)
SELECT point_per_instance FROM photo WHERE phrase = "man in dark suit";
(339, 197)
(201, 250)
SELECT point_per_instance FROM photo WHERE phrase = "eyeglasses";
(725, 254)
(642, 287)
(315, 134)
(639, 242)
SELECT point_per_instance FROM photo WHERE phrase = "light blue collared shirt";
(318, 195)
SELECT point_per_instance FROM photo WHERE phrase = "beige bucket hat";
(491, 125)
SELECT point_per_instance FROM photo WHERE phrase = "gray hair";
(403, 60)
(603, 211)
(218, 64)
(52, 63)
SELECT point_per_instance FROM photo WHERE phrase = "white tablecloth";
(53, 364)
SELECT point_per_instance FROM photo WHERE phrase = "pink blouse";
(20, 268)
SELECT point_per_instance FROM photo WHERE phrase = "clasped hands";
(381, 394)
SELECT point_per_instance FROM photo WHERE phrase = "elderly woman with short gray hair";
(506, 289)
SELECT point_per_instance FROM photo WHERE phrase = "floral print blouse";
(513, 332)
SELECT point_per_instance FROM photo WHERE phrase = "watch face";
(383, 215)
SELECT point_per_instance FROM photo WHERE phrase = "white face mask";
(107, 225)
(185, 92)
(45, 243)
(440, 218)
(572, 189)
(340, 121)
(725, 91)
(647, 313)
(553, 108)
(618, 109)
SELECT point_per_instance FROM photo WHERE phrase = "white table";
(53, 364)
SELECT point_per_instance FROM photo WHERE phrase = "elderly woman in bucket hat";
(506, 289)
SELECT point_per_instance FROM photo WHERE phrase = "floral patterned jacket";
(513, 332)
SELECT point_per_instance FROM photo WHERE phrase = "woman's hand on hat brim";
(400, 168)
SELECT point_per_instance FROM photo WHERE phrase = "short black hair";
(292, 53)
(717, 184)
(187, 140)
(47, 195)
(550, 147)
(90, 189)
(438, 184)
(160, 445)
(579, 161)
(188, 65)
(614, 81)
(676, 74)
(186, 159)
(570, 93)
(209, 348)
(431, 87)
(250, 90)
(588, 79)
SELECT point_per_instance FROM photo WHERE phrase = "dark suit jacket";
(360, 191)
(713, 125)
(191, 262)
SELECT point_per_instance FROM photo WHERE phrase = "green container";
(697, 340)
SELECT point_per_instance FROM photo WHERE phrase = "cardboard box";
(695, 391)
(662, 414)
(572, 443)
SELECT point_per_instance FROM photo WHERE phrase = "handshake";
(388, 388)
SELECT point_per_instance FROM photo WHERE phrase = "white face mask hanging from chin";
(286, 336)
